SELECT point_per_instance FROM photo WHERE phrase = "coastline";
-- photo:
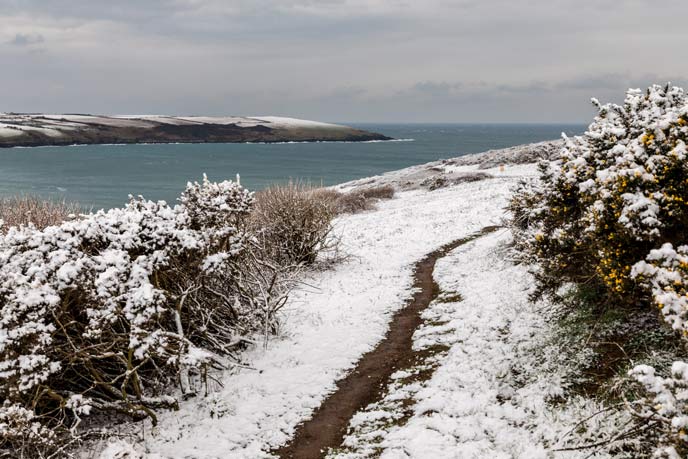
(290, 142)
(20, 130)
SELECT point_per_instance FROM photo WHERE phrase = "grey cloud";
(22, 39)
(367, 60)
(433, 89)
(121, 10)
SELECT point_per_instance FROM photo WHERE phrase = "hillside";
(475, 331)
(31, 130)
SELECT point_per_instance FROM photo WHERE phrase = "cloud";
(347, 60)
(22, 39)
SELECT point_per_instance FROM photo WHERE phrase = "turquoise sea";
(104, 175)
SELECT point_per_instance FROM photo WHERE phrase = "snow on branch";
(108, 311)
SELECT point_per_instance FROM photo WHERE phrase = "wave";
(390, 140)
(327, 141)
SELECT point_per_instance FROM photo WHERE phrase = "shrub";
(25, 210)
(662, 414)
(106, 313)
(357, 200)
(293, 222)
(353, 202)
(612, 214)
(616, 194)
(378, 192)
(437, 182)
(328, 196)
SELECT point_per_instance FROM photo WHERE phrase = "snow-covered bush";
(107, 312)
(663, 412)
(617, 192)
(666, 273)
(611, 215)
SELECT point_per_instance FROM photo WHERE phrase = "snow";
(473, 407)
(282, 122)
(457, 169)
(327, 326)
(242, 121)
(188, 120)
(238, 120)
(14, 130)
(50, 123)
(6, 130)
(37, 267)
(113, 121)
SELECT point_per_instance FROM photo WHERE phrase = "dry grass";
(328, 196)
(354, 201)
(29, 209)
(442, 181)
(294, 222)
(378, 192)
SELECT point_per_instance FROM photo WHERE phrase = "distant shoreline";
(205, 143)
(22, 130)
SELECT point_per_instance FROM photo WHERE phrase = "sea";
(103, 176)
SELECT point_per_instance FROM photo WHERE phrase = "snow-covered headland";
(44, 129)
(492, 385)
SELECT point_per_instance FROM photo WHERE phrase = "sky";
(527, 61)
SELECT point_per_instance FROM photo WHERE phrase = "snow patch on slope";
(8, 130)
(49, 124)
(328, 326)
(282, 122)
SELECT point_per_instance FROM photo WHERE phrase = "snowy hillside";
(465, 406)
(46, 129)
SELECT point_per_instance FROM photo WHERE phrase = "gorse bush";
(106, 313)
(612, 215)
(616, 194)
(662, 413)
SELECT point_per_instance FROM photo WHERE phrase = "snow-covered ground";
(489, 392)
(280, 121)
(456, 170)
(15, 130)
(337, 316)
(7, 130)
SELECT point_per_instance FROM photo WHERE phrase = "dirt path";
(366, 383)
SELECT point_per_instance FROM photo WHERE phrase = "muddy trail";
(366, 383)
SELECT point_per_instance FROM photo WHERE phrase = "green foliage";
(617, 192)
(606, 229)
